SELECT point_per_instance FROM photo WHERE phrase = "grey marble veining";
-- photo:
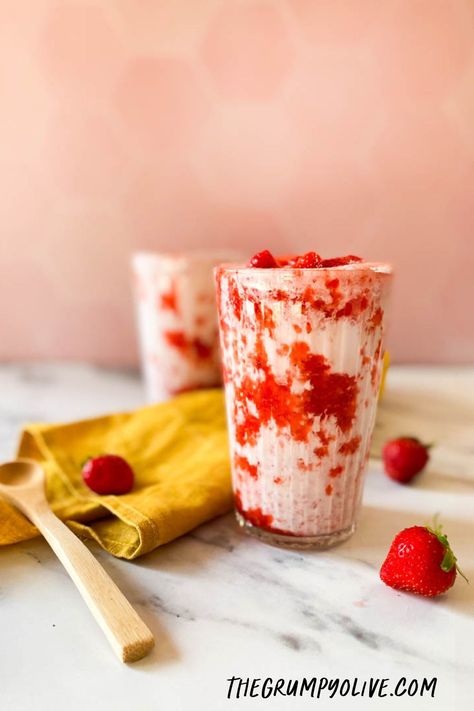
(221, 604)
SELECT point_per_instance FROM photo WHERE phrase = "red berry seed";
(108, 474)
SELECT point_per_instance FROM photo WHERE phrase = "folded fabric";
(178, 451)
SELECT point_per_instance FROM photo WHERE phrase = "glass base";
(321, 542)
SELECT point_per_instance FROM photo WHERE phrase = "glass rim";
(376, 267)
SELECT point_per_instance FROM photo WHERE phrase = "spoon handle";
(128, 635)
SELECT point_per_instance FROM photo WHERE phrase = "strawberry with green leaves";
(421, 561)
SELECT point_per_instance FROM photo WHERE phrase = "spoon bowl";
(23, 473)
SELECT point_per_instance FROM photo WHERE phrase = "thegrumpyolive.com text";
(327, 688)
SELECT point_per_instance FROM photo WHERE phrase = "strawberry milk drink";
(302, 341)
(177, 321)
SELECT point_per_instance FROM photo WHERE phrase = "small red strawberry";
(283, 260)
(340, 261)
(420, 561)
(263, 260)
(404, 457)
(310, 260)
(108, 474)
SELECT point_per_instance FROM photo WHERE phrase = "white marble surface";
(221, 604)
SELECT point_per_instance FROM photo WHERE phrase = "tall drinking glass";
(302, 352)
(177, 321)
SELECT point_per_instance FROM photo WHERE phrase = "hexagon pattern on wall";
(331, 125)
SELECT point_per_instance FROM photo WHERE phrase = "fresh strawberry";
(340, 261)
(310, 260)
(108, 474)
(404, 457)
(420, 561)
(263, 260)
(283, 260)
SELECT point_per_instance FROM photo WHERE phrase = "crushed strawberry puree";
(169, 300)
(321, 451)
(244, 464)
(329, 302)
(247, 430)
(193, 348)
(310, 260)
(325, 439)
(329, 395)
(351, 446)
(235, 299)
(375, 369)
(257, 518)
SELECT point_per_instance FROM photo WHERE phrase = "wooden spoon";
(22, 484)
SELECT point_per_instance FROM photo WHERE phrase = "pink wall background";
(340, 126)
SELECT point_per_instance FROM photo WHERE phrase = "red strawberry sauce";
(169, 299)
(329, 394)
(190, 347)
(257, 518)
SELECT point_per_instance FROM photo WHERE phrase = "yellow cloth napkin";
(178, 451)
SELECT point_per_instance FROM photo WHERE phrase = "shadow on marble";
(14, 559)
(433, 480)
(165, 651)
(17, 569)
(198, 549)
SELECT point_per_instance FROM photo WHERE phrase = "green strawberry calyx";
(449, 559)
